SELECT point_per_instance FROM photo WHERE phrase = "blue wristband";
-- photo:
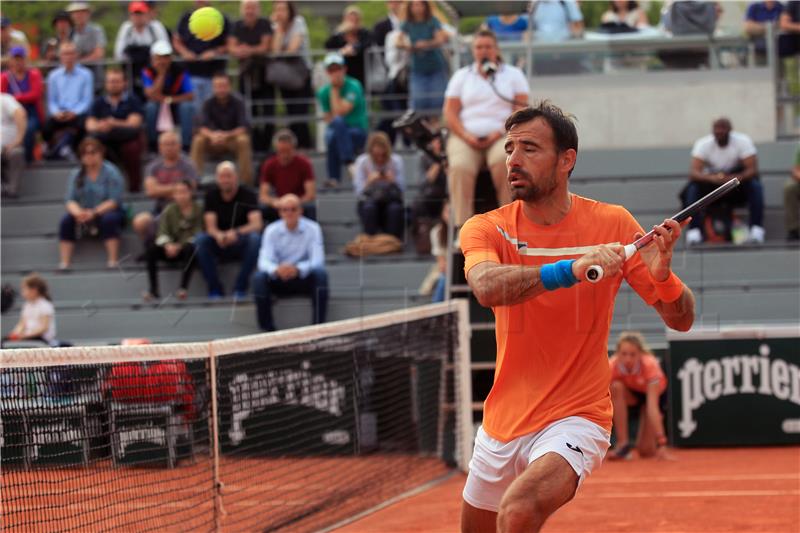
(558, 275)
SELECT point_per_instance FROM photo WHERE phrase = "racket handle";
(595, 272)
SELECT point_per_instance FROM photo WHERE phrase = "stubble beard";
(533, 192)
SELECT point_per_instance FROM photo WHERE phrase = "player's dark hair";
(562, 124)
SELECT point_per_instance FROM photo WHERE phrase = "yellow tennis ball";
(206, 23)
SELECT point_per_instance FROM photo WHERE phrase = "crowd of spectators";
(174, 97)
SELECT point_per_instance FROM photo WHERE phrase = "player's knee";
(516, 515)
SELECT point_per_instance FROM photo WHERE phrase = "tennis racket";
(595, 272)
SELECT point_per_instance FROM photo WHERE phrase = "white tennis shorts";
(495, 464)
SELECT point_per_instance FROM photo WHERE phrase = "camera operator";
(478, 99)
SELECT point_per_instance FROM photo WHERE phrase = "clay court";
(701, 491)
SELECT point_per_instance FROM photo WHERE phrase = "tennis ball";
(206, 23)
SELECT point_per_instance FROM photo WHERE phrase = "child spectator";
(37, 320)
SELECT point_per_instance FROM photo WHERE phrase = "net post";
(212, 365)
(463, 379)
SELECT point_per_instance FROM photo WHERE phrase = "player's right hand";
(609, 257)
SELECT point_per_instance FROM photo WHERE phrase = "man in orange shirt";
(637, 380)
(547, 418)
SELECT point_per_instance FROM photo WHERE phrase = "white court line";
(693, 494)
(681, 479)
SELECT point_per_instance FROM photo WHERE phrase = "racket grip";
(595, 272)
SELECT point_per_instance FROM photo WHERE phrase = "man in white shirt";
(716, 158)
(291, 261)
(478, 99)
(14, 121)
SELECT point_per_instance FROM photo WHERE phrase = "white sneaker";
(694, 236)
(756, 235)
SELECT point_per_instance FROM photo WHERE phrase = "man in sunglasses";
(291, 262)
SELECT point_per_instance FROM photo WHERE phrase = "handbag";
(290, 73)
(382, 192)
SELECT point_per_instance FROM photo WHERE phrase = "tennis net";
(296, 430)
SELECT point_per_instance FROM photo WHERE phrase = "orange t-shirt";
(552, 350)
(646, 371)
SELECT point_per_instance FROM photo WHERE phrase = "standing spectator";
(25, 84)
(758, 16)
(94, 204)
(116, 119)
(351, 40)
(379, 182)
(178, 225)
(791, 201)
(12, 125)
(70, 91)
(203, 58)
(509, 27)
(345, 108)
(224, 129)
(250, 42)
(557, 20)
(625, 12)
(9, 39)
(286, 172)
(424, 37)
(162, 176)
(478, 101)
(290, 36)
(62, 30)
(37, 320)
(384, 35)
(637, 380)
(134, 39)
(89, 38)
(291, 261)
(232, 231)
(168, 89)
(716, 158)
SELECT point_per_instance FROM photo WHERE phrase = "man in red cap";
(134, 39)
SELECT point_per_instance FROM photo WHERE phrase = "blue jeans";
(438, 290)
(184, 111)
(750, 192)
(245, 249)
(30, 133)
(201, 88)
(427, 92)
(314, 285)
(342, 142)
(109, 226)
(382, 217)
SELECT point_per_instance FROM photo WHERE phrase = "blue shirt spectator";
(301, 247)
(70, 90)
(557, 20)
(91, 193)
(764, 11)
(507, 29)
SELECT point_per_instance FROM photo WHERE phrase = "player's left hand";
(658, 254)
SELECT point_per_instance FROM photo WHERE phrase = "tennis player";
(547, 418)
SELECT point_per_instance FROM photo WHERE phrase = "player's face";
(628, 354)
(531, 160)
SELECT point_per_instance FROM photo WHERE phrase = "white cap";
(161, 48)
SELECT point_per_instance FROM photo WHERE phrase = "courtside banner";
(735, 387)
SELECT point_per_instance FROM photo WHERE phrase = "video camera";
(414, 127)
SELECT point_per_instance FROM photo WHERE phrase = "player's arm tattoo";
(494, 284)
(678, 315)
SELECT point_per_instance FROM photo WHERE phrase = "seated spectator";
(178, 225)
(791, 201)
(162, 176)
(351, 41)
(89, 38)
(10, 39)
(224, 129)
(286, 172)
(637, 380)
(232, 231)
(250, 42)
(475, 112)
(511, 27)
(134, 39)
(291, 261)
(625, 12)
(716, 158)
(424, 37)
(203, 58)
(70, 91)
(379, 182)
(345, 108)
(12, 125)
(62, 30)
(37, 320)
(116, 120)
(290, 36)
(427, 208)
(168, 89)
(94, 204)
(688, 18)
(789, 24)
(25, 84)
